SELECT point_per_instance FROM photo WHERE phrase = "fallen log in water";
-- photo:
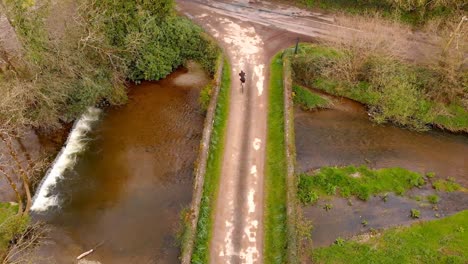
(89, 251)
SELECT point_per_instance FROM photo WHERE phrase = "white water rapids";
(66, 159)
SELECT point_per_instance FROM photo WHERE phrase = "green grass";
(433, 199)
(446, 185)
(457, 118)
(438, 241)
(361, 182)
(11, 224)
(275, 227)
(308, 100)
(405, 94)
(213, 171)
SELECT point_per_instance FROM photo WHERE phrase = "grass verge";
(308, 100)
(276, 170)
(438, 241)
(213, 171)
(406, 94)
(11, 225)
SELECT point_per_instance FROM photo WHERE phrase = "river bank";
(411, 95)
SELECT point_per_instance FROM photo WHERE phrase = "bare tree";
(16, 163)
(21, 251)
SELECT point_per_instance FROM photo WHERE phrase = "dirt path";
(250, 34)
(237, 229)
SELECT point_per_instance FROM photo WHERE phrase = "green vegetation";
(415, 213)
(308, 100)
(183, 231)
(205, 96)
(408, 11)
(206, 93)
(446, 185)
(11, 224)
(405, 94)
(327, 207)
(361, 182)
(55, 74)
(439, 241)
(213, 171)
(276, 171)
(433, 199)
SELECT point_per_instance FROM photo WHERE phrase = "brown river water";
(344, 136)
(128, 188)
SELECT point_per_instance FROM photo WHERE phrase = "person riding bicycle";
(242, 76)
(242, 79)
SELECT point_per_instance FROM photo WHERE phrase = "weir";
(64, 160)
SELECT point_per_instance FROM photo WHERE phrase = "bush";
(167, 46)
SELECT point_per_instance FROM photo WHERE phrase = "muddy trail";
(238, 226)
(130, 184)
(344, 136)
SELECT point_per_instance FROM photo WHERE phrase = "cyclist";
(242, 79)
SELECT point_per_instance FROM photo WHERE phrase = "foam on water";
(66, 159)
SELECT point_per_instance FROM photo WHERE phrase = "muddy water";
(343, 136)
(346, 220)
(127, 189)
